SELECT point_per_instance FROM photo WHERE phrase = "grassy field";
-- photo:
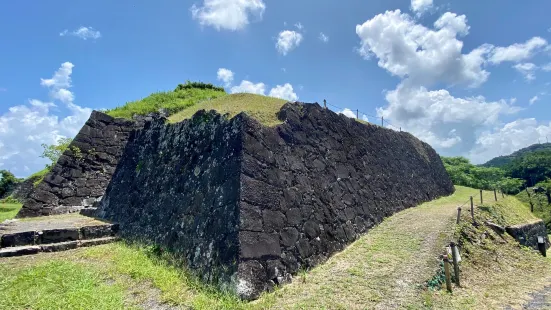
(8, 210)
(384, 269)
(262, 108)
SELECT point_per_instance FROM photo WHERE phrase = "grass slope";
(384, 269)
(8, 210)
(173, 101)
(495, 271)
(262, 108)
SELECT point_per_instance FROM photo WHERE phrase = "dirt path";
(384, 269)
(540, 300)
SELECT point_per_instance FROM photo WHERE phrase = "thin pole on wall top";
(382, 122)
(357, 114)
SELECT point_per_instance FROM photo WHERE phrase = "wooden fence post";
(542, 246)
(447, 273)
(458, 214)
(481, 200)
(495, 194)
(455, 262)
(472, 209)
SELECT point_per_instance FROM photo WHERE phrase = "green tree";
(462, 172)
(511, 186)
(547, 186)
(54, 151)
(533, 167)
(7, 182)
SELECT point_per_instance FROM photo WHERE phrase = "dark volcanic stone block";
(99, 231)
(246, 206)
(60, 235)
(527, 234)
(18, 239)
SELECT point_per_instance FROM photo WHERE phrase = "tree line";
(529, 170)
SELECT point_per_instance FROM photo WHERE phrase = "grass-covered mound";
(261, 108)
(184, 96)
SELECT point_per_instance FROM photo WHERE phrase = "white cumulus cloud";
(24, 127)
(527, 70)
(84, 33)
(287, 41)
(284, 92)
(348, 113)
(225, 76)
(426, 57)
(518, 51)
(422, 55)
(228, 14)
(249, 87)
(440, 119)
(509, 138)
(546, 67)
(323, 37)
(534, 99)
(420, 6)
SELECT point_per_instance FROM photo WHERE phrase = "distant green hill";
(502, 161)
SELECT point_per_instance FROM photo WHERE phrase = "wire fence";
(451, 257)
(365, 116)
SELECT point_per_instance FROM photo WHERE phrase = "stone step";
(90, 212)
(57, 235)
(53, 247)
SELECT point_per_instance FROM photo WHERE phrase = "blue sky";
(471, 78)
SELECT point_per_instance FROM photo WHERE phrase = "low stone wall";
(79, 179)
(527, 234)
(247, 206)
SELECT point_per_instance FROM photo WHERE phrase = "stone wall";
(82, 173)
(527, 234)
(23, 190)
(177, 186)
(316, 183)
(247, 206)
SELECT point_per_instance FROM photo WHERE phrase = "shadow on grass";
(7, 209)
(167, 272)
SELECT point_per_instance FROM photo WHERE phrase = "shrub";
(198, 85)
